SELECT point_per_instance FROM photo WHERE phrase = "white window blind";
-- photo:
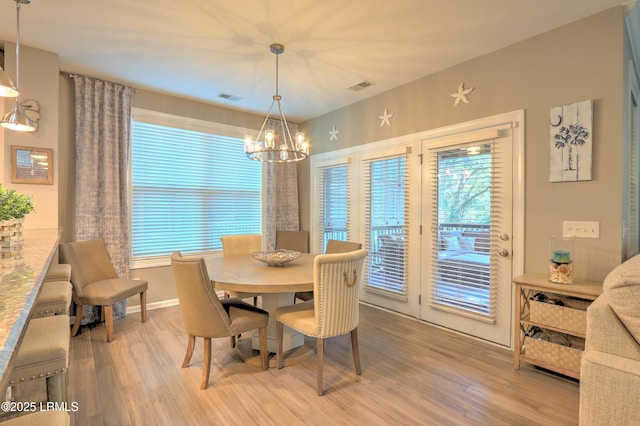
(333, 187)
(189, 188)
(386, 223)
(464, 214)
(633, 187)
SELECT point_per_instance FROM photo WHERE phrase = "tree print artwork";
(571, 142)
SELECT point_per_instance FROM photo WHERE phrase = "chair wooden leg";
(78, 320)
(108, 319)
(263, 347)
(206, 368)
(279, 338)
(143, 305)
(191, 344)
(356, 350)
(320, 359)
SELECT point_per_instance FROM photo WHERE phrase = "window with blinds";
(189, 188)
(386, 222)
(334, 192)
(464, 178)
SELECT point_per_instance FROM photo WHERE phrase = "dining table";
(277, 286)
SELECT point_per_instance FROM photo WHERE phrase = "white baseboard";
(152, 306)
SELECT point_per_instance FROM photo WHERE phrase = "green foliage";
(14, 205)
(464, 188)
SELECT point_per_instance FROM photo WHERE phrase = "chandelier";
(271, 146)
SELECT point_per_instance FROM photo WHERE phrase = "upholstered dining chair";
(333, 246)
(96, 282)
(332, 312)
(293, 240)
(240, 244)
(204, 315)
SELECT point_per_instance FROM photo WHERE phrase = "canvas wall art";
(571, 133)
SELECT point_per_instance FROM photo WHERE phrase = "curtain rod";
(71, 75)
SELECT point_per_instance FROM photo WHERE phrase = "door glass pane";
(462, 242)
(334, 191)
(386, 224)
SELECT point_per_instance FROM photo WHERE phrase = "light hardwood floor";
(412, 373)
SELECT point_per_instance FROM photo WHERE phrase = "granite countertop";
(22, 272)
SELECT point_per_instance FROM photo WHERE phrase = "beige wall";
(39, 81)
(580, 61)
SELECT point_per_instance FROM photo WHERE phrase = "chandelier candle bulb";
(248, 144)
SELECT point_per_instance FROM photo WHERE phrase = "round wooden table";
(276, 284)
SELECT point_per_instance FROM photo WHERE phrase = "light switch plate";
(581, 229)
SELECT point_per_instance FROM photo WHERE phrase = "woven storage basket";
(553, 354)
(11, 233)
(560, 317)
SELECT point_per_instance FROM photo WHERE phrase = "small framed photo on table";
(31, 165)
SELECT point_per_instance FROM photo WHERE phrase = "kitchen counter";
(22, 272)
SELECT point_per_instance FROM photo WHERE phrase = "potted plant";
(13, 208)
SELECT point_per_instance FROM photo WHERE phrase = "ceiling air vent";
(361, 85)
(229, 97)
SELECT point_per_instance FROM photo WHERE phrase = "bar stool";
(58, 272)
(54, 299)
(44, 353)
(55, 295)
(48, 418)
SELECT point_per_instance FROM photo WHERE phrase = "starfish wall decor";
(385, 117)
(333, 133)
(461, 95)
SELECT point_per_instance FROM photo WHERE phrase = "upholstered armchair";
(334, 309)
(204, 315)
(96, 282)
(610, 368)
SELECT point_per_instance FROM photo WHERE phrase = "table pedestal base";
(291, 339)
(246, 353)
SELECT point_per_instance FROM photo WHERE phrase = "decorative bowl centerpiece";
(276, 257)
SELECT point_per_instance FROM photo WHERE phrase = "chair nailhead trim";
(48, 374)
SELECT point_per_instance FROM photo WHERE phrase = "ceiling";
(202, 48)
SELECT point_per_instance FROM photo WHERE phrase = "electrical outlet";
(581, 229)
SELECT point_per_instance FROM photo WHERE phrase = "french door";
(434, 210)
(390, 228)
(467, 246)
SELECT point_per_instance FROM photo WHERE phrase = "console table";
(570, 321)
(21, 274)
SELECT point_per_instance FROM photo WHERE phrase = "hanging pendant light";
(8, 88)
(17, 119)
(267, 147)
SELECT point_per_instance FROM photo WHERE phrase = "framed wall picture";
(31, 165)
(571, 141)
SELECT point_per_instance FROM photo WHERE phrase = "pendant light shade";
(8, 88)
(16, 119)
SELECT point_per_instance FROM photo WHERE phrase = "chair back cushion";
(202, 313)
(337, 279)
(89, 262)
(293, 240)
(239, 244)
(338, 246)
